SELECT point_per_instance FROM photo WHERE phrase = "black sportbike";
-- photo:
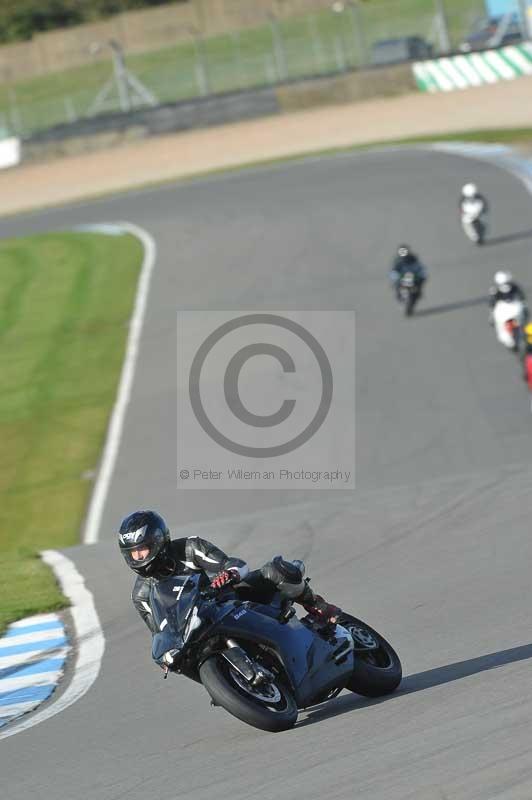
(408, 292)
(259, 661)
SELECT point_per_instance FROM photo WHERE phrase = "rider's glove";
(323, 611)
(169, 659)
(226, 577)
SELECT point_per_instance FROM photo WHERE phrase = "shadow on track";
(446, 307)
(509, 237)
(421, 681)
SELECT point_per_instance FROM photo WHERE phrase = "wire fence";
(341, 37)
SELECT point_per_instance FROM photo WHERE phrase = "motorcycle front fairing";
(172, 602)
(307, 657)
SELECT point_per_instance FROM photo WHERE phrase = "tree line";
(23, 18)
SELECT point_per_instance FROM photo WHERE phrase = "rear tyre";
(377, 669)
(270, 707)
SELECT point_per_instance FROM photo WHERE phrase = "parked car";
(394, 51)
(486, 35)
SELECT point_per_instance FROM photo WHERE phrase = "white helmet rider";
(469, 190)
(503, 281)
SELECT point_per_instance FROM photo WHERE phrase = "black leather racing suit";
(193, 554)
(404, 264)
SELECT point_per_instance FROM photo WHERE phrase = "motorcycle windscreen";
(172, 602)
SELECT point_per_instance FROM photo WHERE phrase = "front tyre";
(269, 707)
(377, 669)
(410, 303)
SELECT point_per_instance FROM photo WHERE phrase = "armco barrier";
(108, 130)
(474, 69)
(348, 87)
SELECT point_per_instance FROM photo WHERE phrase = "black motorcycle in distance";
(408, 290)
(260, 662)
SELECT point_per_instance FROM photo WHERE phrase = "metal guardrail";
(333, 40)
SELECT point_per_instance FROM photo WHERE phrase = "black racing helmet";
(144, 530)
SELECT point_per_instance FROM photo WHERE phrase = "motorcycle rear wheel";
(228, 689)
(377, 669)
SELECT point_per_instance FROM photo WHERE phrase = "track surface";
(433, 548)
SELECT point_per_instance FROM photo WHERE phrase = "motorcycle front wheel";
(410, 303)
(481, 232)
(377, 669)
(269, 706)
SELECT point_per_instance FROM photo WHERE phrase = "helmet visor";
(141, 546)
(139, 555)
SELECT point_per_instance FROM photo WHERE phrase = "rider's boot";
(288, 576)
(317, 606)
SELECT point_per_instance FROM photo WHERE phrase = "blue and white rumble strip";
(32, 658)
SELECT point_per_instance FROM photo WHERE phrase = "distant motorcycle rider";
(145, 543)
(407, 261)
(505, 289)
(470, 193)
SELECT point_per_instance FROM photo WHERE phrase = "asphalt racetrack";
(433, 548)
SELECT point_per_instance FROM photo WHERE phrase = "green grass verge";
(65, 301)
(510, 136)
(313, 44)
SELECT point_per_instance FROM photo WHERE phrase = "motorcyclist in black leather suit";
(407, 261)
(145, 543)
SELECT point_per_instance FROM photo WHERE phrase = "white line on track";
(114, 432)
(89, 637)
